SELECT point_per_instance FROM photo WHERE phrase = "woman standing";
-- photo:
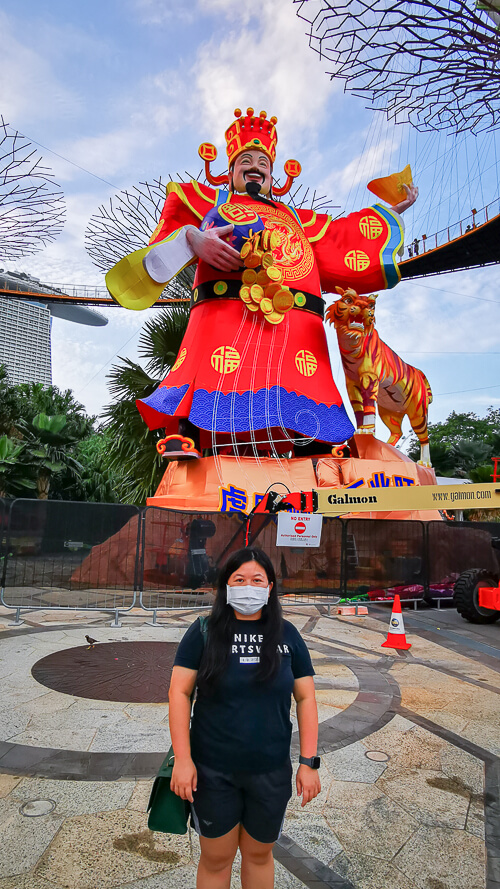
(234, 767)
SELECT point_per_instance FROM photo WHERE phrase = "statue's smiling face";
(251, 166)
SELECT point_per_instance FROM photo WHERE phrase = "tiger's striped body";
(377, 376)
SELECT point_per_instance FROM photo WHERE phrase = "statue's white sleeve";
(167, 258)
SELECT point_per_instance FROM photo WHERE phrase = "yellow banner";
(336, 501)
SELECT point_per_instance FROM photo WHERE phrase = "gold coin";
(256, 292)
(275, 318)
(262, 278)
(266, 239)
(275, 239)
(274, 273)
(266, 306)
(245, 292)
(249, 277)
(245, 250)
(252, 307)
(267, 260)
(252, 261)
(283, 300)
(271, 289)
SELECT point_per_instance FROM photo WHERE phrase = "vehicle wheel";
(465, 596)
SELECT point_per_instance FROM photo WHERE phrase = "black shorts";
(257, 801)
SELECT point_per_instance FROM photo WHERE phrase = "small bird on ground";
(91, 641)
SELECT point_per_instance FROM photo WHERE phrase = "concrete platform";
(410, 743)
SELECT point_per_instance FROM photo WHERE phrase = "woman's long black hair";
(221, 625)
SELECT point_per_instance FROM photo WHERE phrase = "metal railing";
(473, 221)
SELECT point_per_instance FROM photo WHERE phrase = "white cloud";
(267, 63)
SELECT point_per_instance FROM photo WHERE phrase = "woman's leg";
(216, 860)
(257, 862)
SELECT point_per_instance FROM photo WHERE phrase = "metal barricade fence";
(182, 553)
(383, 557)
(454, 547)
(64, 555)
(56, 555)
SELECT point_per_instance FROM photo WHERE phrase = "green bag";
(169, 813)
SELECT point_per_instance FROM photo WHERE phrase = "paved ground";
(410, 744)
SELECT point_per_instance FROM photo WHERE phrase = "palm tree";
(48, 449)
(133, 456)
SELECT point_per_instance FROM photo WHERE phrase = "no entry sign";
(299, 529)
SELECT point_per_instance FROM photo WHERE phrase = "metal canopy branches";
(32, 209)
(434, 64)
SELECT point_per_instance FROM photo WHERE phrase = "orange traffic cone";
(396, 636)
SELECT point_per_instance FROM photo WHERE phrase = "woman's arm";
(308, 783)
(182, 683)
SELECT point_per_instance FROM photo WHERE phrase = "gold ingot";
(252, 261)
(245, 250)
(249, 277)
(275, 239)
(263, 278)
(266, 306)
(256, 292)
(252, 307)
(283, 301)
(274, 273)
(267, 260)
(275, 318)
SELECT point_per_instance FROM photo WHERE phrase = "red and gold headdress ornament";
(249, 132)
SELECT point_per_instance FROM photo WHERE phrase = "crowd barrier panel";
(62, 555)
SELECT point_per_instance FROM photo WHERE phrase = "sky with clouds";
(116, 93)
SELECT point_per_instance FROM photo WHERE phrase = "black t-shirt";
(245, 725)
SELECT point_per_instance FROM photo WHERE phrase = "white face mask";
(247, 599)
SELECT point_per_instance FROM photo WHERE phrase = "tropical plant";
(462, 443)
(10, 404)
(132, 454)
(48, 449)
(13, 478)
(97, 482)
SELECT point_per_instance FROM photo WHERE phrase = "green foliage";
(462, 445)
(39, 399)
(13, 479)
(48, 447)
(10, 404)
(96, 482)
(132, 453)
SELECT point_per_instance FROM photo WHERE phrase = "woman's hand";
(184, 778)
(308, 783)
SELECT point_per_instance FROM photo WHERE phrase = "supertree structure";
(32, 209)
(126, 221)
(434, 63)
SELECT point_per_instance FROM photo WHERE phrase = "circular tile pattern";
(34, 808)
(128, 672)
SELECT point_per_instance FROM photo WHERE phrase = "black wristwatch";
(313, 762)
